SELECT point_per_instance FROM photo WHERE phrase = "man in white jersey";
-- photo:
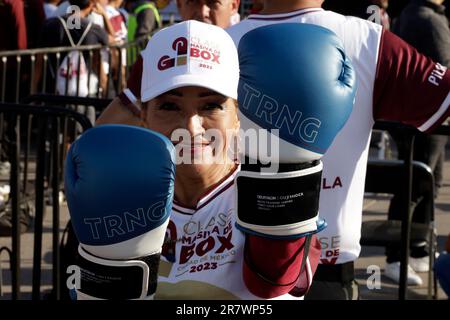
(396, 83)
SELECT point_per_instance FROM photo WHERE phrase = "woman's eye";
(213, 107)
(168, 106)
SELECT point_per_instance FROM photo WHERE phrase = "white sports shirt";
(396, 83)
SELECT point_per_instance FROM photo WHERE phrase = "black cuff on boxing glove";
(283, 205)
(117, 279)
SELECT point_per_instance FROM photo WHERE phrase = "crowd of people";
(393, 63)
(26, 19)
(109, 23)
(120, 20)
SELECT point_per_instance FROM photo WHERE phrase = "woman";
(189, 92)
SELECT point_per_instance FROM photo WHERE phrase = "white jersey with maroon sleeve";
(203, 252)
(395, 83)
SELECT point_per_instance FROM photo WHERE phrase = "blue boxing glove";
(119, 182)
(297, 88)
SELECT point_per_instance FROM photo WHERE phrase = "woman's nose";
(195, 125)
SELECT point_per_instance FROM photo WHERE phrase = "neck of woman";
(190, 187)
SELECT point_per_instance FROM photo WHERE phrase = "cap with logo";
(190, 53)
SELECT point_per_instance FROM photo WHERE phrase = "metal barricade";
(408, 134)
(48, 120)
(90, 107)
(26, 72)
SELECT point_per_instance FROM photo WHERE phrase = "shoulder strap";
(85, 33)
(123, 16)
(72, 43)
(151, 6)
(156, 13)
(67, 31)
(142, 7)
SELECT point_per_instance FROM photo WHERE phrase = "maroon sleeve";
(133, 82)
(409, 87)
(274, 267)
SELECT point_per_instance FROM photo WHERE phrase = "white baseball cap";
(190, 53)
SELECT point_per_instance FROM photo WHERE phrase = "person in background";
(120, 6)
(169, 11)
(50, 8)
(62, 8)
(100, 17)
(119, 55)
(53, 34)
(212, 12)
(422, 24)
(12, 18)
(143, 19)
(393, 86)
(97, 15)
(117, 20)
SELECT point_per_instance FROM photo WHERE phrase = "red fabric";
(280, 262)
(406, 86)
(13, 35)
(116, 23)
